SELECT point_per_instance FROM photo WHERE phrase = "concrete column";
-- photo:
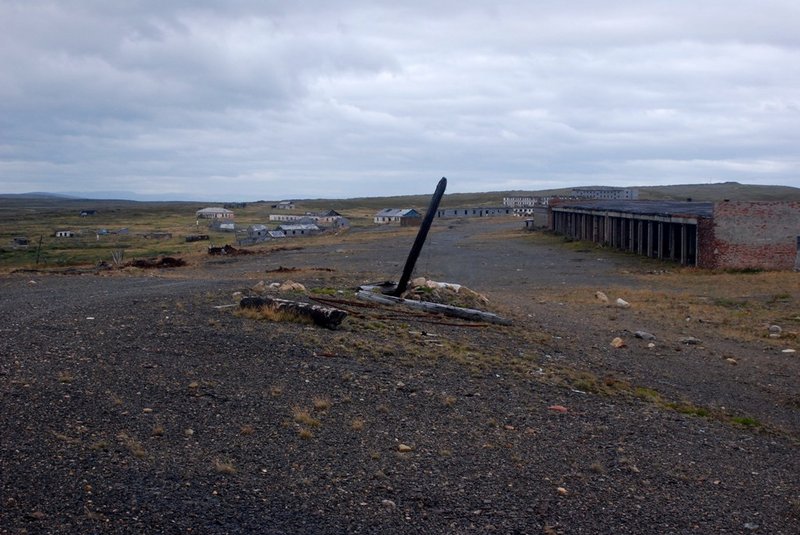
(640, 236)
(684, 245)
(660, 240)
(631, 234)
(672, 255)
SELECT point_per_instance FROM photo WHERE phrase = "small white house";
(65, 234)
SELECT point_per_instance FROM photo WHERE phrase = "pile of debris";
(446, 293)
(229, 250)
(155, 263)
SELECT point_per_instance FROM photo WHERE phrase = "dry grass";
(65, 377)
(321, 403)
(303, 416)
(133, 445)
(224, 467)
(739, 306)
(357, 424)
(268, 314)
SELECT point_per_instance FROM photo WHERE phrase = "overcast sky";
(247, 100)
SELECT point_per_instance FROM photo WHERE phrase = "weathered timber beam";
(447, 310)
(323, 316)
(416, 248)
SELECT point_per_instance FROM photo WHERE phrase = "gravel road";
(130, 404)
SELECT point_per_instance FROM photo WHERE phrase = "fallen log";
(327, 317)
(447, 310)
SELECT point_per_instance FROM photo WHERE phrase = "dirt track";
(130, 404)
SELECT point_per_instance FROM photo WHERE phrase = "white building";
(606, 193)
(214, 213)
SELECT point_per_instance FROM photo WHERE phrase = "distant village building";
(86, 213)
(20, 242)
(721, 235)
(214, 213)
(474, 212)
(606, 193)
(222, 225)
(328, 218)
(397, 215)
(65, 234)
(257, 231)
(532, 201)
(284, 205)
(299, 229)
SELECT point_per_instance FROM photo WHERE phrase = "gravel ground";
(130, 404)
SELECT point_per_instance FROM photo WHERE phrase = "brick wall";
(750, 235)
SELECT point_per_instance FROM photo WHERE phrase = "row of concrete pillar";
(654, 237)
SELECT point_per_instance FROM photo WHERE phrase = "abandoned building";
(404, 216)
(65, 234)
(606, 193)
(474, 212)
(299, 229)
(214, 213)
(721, 235)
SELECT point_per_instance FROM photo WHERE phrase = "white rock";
(291, 286)
(603, 298)
(621, 303)
(419, 281)
(644, 335)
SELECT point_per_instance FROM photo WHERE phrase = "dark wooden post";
(420, 240)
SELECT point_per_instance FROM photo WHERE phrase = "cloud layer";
(339, 99)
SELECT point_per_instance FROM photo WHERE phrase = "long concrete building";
(726, 235)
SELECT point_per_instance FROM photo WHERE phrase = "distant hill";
(733, 191)
(697, 192)
(35, 195)
(719, 192)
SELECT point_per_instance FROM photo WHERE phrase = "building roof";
(658, 208)
(214, 211)
(258, 227)
(298, 227)
(397, 212)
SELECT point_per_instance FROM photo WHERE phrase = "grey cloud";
(337, 97)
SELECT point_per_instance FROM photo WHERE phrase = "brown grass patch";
(268, 314)
(224, 467)
(303, 416)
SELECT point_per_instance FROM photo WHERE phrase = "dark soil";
(131, 404)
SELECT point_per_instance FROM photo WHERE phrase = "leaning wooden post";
(420, 240)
